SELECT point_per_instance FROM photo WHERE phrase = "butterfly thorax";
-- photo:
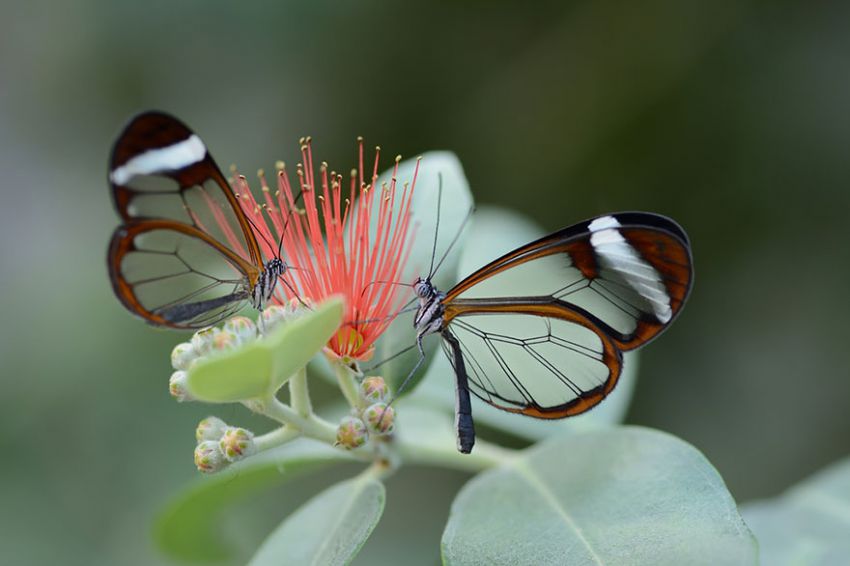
(429, 316)
(267, 282)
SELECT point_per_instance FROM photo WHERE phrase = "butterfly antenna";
(455, 239)
(258, 231)
(437, 228)
(384, 283)
(408, 307)
(286, 224)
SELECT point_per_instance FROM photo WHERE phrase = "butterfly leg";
(409, 375)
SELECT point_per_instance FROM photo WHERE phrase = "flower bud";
(236, 443)
(373, 389)
(351, 433)
(177, 387)
(203, 339)
(211, 428)
(242, 327)
(379, 418)
(208, 458)
(183, 355)
(223, 341)
(272, 316)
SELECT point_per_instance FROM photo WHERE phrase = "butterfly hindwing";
(174, 275)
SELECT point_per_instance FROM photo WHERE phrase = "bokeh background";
(729, 116)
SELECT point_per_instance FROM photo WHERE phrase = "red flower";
(338, 244)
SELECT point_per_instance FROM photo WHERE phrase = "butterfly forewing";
(161, 169)
(628, 273)
(186, 255)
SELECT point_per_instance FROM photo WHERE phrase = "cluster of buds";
(220, 444)
(235, 332)
(376, 419)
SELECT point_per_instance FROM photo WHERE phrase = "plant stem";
(483, 457)
(276, 437)
(311, 426)
(348, 385)
(299, 394)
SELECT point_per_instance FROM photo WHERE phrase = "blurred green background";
(729, 116)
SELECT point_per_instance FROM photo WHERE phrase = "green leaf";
(329, 529)
(261, 367)
(454, 207)
(809, 524)
(619, 496)
(188, 528)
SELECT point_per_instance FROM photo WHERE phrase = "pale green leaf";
(617, 496)
(261, 367)
(329, 529)
(189, 528)
(809, 525)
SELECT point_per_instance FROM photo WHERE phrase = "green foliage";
(329, 529)
(810, 524)
(261, 367)
(189, 528)
(615, 496)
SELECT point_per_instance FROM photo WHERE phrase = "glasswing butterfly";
(586, 294)
(185, 255)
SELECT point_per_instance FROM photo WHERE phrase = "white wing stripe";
(170, 158)
(615, 252)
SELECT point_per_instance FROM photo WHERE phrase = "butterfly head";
(423, 288)
(275, 267)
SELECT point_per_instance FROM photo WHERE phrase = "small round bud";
(203, 339)
(223, 341)
(208, 458)
(374, 389)
(177, 387)
(183, 355)
(242, 327)
(351, 433)
(211, 428)
(272, 316)
(379, 418)
(236, 443)
(297, 307)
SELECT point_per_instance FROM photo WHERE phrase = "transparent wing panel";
(175, 278)
(545, 367)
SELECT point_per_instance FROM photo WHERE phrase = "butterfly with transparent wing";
(585, 294)
(185, 256)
